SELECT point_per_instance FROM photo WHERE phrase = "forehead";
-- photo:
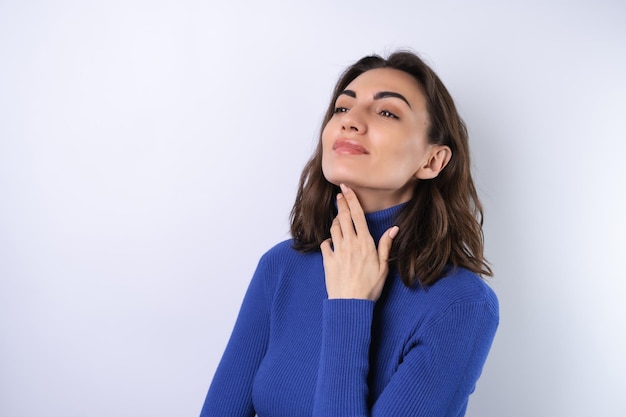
(388, 79)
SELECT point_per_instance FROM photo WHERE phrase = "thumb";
(384, 246)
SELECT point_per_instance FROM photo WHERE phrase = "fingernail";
(394, 231)
(339, 196)
(344, 188)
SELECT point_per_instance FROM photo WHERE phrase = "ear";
(438, 158)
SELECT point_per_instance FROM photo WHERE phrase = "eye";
(388, 114)
(340, 110)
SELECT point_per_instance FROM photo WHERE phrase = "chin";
(339, 179)
(340, 176)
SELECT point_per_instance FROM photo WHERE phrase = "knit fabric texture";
(295, 353)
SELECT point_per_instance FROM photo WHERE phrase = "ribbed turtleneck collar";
(379, 221)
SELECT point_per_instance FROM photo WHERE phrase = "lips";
(349, 147)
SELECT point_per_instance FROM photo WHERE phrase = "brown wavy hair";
(441, 226)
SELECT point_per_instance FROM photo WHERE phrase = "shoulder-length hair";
(441, 226)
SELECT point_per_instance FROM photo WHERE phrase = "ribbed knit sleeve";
(344, 358)
(441, 364)
(230, 393)
(437, 373)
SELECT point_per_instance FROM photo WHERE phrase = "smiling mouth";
(349, 147)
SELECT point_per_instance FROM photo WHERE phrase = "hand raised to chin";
(353, 266)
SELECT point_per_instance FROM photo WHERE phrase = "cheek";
(416, 142)
(409, 154)
(327, 140)
(327, 131)
(325, 135)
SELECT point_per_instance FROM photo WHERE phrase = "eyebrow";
(378, 96)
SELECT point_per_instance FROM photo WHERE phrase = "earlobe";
(439, 157)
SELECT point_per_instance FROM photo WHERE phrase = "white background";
(150, 152)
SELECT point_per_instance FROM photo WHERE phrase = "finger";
(326, 248)
(335, 230)
(384, 245)
(356, 211)
(344, 218)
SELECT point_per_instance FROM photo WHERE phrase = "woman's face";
(376, 142)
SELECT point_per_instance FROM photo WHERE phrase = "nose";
(354, 121)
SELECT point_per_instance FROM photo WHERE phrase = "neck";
(373, 200)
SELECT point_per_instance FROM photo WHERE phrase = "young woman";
(376, 306)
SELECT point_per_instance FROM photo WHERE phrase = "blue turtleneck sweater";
(295, 353)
